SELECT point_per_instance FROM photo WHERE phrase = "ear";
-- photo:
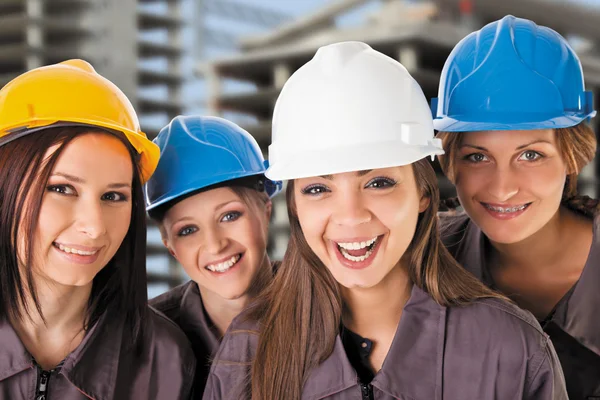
(171, 252)
(424, 203)
(268, 210)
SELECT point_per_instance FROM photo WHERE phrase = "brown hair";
(577, 146)
(300, 312)
(120, 287)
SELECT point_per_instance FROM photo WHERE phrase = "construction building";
(418, 34)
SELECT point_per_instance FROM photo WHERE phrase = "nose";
(350, 210)
(91, 219)
(503, 185)
(214, 241)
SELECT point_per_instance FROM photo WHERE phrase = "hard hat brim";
(200, 184)
(348, 159)
(521, 122)
(149, 152)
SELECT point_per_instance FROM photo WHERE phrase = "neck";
(370, 311)
(222, 311)
(540, 250)
(64, 309)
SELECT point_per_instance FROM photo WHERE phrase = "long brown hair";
(576, 144)
(119, 288)
(300, 312)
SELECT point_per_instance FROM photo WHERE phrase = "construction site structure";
(418, 34)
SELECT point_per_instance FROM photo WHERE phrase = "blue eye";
(231, 216)
(315, 190)
(476, 158)
(114, 196)
(530, 155)
(187, 230)
(381, 182)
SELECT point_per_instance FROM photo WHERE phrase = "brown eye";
(381, 183)
(114, 196)
(314, 190)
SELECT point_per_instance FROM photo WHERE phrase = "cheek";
(398, 214)
(471, 180)
(253, 231)
(313, 219)
(118, 221)
(186, 250)
(53, 219)
(546, 181)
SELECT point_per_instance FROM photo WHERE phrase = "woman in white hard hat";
(367, 303)
(513, 124)
(74, 318)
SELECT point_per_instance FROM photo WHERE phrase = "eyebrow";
(518, 148)
(79, 180)
(218, 207)
(358, 173)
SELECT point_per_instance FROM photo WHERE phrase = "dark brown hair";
(300, 312)
(120, 287)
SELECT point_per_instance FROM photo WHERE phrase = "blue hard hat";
(511, 75)
(199, 152)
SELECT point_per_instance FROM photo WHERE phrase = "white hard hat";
(350, 108)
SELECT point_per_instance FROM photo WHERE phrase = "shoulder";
(502, 322)
(167, 342)
(240, 341)
(169, 302)
(232, 365)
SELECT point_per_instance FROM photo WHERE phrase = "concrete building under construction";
(418, 34)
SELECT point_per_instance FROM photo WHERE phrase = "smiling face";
(220, 239)
(360, 224)
(85, 211)
(510, 182)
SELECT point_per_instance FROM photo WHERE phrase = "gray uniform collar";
(418, 346)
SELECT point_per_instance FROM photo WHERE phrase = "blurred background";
(230, 58)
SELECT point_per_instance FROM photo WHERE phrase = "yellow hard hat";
(72, 93)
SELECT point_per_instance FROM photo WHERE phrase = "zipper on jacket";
(367, 391)
(41, 392)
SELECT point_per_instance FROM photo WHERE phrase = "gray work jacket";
(574, 324)
(487, 350)
(100, 368)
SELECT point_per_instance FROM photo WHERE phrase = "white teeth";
(356, 258)
(505, 210)
(75, 251)
(225, 265)
(357, 245)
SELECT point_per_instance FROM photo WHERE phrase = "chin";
(233, 294)
(506, 236)
(77, 282)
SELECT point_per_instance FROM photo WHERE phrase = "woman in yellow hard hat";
(74, 319)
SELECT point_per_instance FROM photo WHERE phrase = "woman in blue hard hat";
(212, 203)
(512, 113)
(74, 317)
(367, 303)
